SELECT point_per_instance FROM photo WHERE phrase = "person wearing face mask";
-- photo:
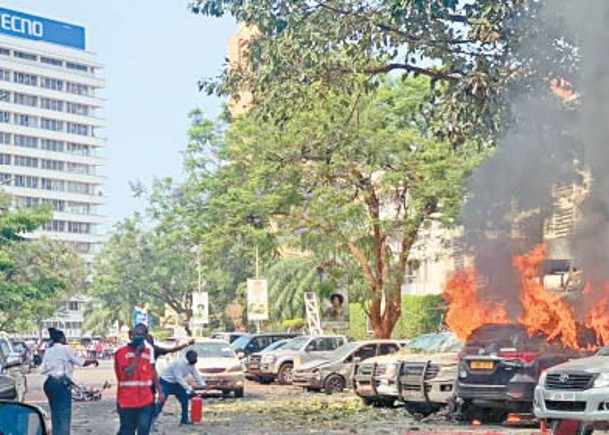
(173, 382)
(135, 375)
(58, 364)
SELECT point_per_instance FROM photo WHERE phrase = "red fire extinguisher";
(196, 409)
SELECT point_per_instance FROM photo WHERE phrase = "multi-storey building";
(49, 131)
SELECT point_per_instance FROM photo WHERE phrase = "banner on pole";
(257, 300)
(200, 308)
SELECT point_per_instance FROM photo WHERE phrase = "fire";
(542, 311)
(465, 312)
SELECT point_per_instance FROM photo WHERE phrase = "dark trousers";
(59, 394)
(135, 419)
(174, 389)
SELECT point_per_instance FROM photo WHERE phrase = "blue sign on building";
(27, 26)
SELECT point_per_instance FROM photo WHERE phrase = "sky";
(153, 56)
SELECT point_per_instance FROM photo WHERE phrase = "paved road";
(266, 409)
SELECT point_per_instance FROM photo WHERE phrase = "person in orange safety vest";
(135, 375)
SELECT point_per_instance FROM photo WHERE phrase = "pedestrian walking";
(136, 376)
(58, 364)
(173, 383)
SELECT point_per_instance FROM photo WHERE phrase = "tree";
(473, 53)
(354, 175)
(35, 275)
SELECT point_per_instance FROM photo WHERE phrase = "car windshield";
(497, 337)
(213, 350)
(343, 351)
(277, 345)
(296, 344)
(426, 343)
(18, 346)
(604, 351)
(451, 344)
(241, 342)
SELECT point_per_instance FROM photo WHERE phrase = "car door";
(387, 348)
(15, 372)
(362, 353)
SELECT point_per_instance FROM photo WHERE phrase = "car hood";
(217, 363)
(313, 364)
(593, 364)
(281, 353)
(436, 358)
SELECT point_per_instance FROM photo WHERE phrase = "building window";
(28, 162)
(79, 149)
(26, 141)
(5, 138)
(25, 99)
(77, 168)
(51, 124)
(5, 74)
(57, 204)
(51, 61)
(51, 104)
(25, 181)
(78, 227)
(78, 208)
(27, 202)
(80, 129)
(5, 117)
(5, 159)
(26, 56)
(77, 88)
(78, 109)
(52, 184)
(80, 188)
(26, 120)
(53, 84)
(77, 66)
(25, 79)
(56, 226)
(52, 165)
(5, 95)
(53, 145)
(5, 51)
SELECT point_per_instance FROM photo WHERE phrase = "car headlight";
(601, 381)
(269, 359)
(237, 368)
(542, 379)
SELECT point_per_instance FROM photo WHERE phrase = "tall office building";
(49, 122)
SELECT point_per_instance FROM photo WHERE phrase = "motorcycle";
(83, 393)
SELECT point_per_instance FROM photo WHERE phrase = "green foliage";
(293, 324)
(36, 276)
(471, 51)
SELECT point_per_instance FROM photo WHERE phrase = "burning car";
(575, 390)
(500, 367)
(376, 379)
(426, 382)
(335, 372)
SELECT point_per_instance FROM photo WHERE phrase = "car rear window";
(501, 337)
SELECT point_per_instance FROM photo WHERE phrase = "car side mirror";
(12, 361)
(20, 418)
(240, 354)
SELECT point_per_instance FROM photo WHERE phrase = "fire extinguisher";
(196, 409)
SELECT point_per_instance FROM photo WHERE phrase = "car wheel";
(285, 373)
(383, 403)
(239, 393)
(421, 410)
(367, 401)
(334, 383)
(265, 381)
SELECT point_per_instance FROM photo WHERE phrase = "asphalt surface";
(266, 409)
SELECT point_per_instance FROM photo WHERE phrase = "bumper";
(587, 405)
(363, 386)
(224, 381)
(492, 393)
(267, 370)
(386, 387)
(307, 380)
(437, 391)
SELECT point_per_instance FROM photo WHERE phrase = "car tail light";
(526, 357)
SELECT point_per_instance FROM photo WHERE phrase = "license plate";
(482, 365)
(561, 397)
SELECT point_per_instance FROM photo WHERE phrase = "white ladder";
(312, 311)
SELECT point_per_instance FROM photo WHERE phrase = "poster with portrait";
(140, 316)
(335, 310)
(257, 300)
(200, 309)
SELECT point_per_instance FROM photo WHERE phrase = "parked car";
(252, 343)
(576, 390)
(375, 380)
(335, 371)
(227, 336)
(24, 353)
(426, 381)
(252, 362)
(218, 365)
(13, 383)
(500, 368)
(279, 364)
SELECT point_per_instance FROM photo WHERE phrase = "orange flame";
(542, 311)
(465, 312)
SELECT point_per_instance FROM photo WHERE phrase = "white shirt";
(59, 360)
(179, 370)
(151, 347)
